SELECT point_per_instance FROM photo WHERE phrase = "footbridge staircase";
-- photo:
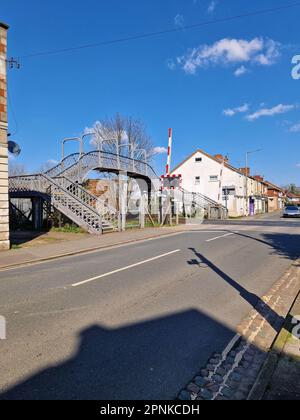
(61, 186)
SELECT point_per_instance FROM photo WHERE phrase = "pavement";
(73, 244)
(142, 319)
(279, 379)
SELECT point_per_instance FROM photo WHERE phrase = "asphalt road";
(140, 320)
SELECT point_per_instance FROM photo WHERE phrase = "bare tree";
(127, 135)
(47, 166)
(16, 169)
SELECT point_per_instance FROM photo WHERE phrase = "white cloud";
(241, 71)
(212, 6)
(231, 112)
(160, 150)
(226, 52)
(295, 128)
(179, 21)
(270, 112)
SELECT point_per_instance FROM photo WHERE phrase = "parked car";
(291, 211)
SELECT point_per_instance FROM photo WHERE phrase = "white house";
(215, 178)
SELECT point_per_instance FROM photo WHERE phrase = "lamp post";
(247, 174)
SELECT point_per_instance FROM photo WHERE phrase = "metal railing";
(106, 162)
(109, 214)
(205, 203)
(71, 199)
(61, 185)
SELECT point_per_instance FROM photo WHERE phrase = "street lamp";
(248, 174)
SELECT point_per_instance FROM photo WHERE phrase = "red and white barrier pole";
(168, 167)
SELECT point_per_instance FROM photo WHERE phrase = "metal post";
(160, 208)
(177, 212)
(142, 211)
(171, 209)
(122, 201)
(37, 213)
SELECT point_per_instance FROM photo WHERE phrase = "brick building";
(4, 201)
(276, 197)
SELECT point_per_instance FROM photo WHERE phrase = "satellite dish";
(14, 148)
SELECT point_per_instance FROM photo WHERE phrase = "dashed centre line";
(125, 268)
(220, 237)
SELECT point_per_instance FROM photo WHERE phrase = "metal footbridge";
(61, 187)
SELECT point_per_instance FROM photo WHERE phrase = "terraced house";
(234, 188)
(4, 203)
(276, 197)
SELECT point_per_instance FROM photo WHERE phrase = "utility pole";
(4, 199)
(246, 174)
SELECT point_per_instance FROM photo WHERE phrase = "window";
(198, 160)
(213, 178)
(197, 180)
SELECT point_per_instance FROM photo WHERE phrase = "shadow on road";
(255, 301)
(150, 360)
(283, 244)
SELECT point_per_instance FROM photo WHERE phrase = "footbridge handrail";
(107, 161)
(41, 183)
(108, 212)
(61, 166)
(204, 198)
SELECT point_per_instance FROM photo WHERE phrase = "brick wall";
(4, 202)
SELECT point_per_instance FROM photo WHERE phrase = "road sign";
(171, 182)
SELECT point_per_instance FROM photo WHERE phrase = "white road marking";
(220, 237)
(125, 268)
(207, 231)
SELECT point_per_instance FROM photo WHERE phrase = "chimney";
(221, 158)
(258, 178)
(245, 171)
(4, 201)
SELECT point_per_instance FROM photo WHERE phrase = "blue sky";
(184, 80)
